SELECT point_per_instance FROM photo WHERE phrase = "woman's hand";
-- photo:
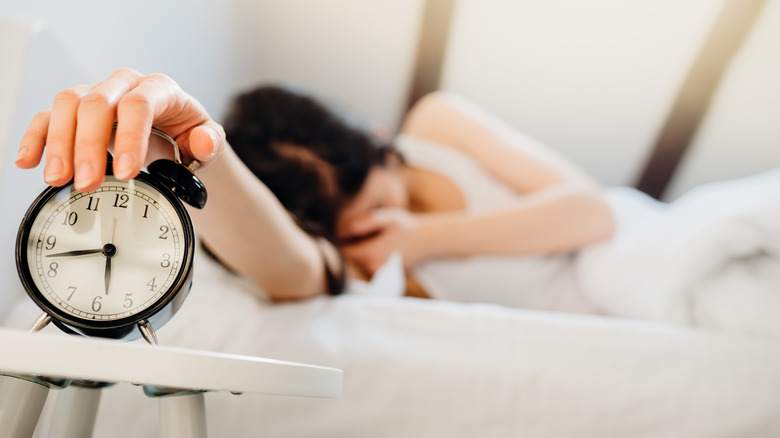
(376, 235)
(75, 132)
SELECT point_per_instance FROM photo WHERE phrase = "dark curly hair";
(311, 154)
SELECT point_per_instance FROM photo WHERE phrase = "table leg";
(21, 403)
(182, 411)
(76, 409)
(183, 416)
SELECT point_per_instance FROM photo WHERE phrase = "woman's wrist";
(424, 240)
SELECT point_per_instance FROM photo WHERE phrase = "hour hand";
(108, 273)
(78, 252)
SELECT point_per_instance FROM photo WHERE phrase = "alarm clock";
(115, 262)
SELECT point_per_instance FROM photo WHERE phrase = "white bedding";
(416, 368)
(710, 258)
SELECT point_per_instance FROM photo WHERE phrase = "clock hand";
(78, 252)
(108, 273)
(109, 251)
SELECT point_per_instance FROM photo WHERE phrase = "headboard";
(736, 20)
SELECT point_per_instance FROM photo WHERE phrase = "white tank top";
(545, 282)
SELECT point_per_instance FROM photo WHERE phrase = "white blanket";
(710, 258)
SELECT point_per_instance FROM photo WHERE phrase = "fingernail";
(124, 166)
(53, 170)
(22, 154)
(84, 175)
(214, 143)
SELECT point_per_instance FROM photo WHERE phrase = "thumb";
(206, 141)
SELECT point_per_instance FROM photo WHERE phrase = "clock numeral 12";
(121, 200)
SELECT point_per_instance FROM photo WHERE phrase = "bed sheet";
(417, 368)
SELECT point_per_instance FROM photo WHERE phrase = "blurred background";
(595, 79)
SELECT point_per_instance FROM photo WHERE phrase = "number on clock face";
(108, 254)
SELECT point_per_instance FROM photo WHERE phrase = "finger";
(61, 134)
(366, 224)
(200, 137)
(33, 141)
(135, 114)
(96, 115)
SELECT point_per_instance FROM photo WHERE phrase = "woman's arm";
(560, 208)
(514, 158)
(560, 218)
(243, 223)
(556, 219)
(249, 230)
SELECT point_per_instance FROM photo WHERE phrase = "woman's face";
(384, 188)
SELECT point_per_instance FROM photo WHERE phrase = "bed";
(660, 367)
(424, 368)
(418, 368)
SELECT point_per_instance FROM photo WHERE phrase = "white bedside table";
(158, 368)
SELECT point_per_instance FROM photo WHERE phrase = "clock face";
(108, 255)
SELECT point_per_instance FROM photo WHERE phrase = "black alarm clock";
(116, 262)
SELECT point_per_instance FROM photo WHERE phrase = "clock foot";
(147, 332)
(40, 323)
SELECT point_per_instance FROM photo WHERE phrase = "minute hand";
(78, 252)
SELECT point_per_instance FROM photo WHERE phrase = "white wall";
(35, 68)
(592, 78)
(150, 36)
(595, 79)
(355, 51)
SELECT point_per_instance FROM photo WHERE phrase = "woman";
(456, 182)
(393, 206)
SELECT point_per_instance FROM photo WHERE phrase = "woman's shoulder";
(413, 147)
(436, 161)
